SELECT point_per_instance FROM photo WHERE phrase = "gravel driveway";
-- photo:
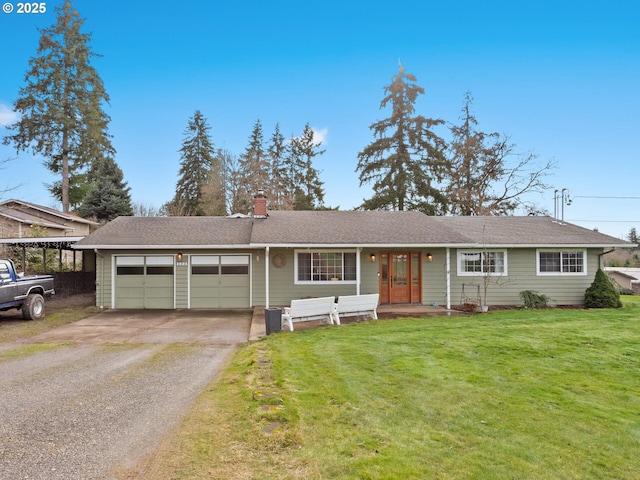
(91, 410)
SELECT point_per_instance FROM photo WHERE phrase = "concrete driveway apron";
(202, 327)
(96, 398)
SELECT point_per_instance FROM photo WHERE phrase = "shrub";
(533, 299)
(602, 293)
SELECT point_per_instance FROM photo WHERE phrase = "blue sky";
(561, 78)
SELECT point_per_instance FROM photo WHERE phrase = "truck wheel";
(33, 307)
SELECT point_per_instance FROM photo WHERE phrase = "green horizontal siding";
(503, 290)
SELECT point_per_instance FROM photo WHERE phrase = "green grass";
(544, 394)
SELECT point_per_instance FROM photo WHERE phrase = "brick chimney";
(260, 205)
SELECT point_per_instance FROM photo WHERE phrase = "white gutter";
(438, 245)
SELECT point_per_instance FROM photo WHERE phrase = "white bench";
(307, 309)
(356, 305)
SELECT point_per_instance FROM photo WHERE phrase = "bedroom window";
(561, 262)
(325, 266)
(482, 262)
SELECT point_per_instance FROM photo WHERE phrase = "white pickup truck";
(26, 293)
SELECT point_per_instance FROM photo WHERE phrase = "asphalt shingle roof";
(350, 227)
(291, 228)
(529, 230)
(170, 232)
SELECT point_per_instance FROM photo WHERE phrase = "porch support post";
(448, 278)
(266, 277)
(358, 252)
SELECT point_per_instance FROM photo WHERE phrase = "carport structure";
(61, 244)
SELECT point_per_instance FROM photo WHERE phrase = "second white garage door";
(220, 281)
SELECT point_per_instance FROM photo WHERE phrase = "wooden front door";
(400, 278)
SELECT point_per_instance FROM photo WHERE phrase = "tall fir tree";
(480, 179)
(196, 159)
(406, 160)
(61, 106)
(308, 191)
(281, 184)
(214, 193)
(109, 196)
(254, 169)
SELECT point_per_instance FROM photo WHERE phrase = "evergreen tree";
(109, 195)
(60, 107)
(214, 193)
(633, 236)
(254, 169)
(406, 159)
(196, 154)
(281, 184)
(481, 181)
(602, 293)
(308, 192)
(235, 201)
(78, 189)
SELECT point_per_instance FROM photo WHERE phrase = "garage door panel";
(220, 281)
(144, 282)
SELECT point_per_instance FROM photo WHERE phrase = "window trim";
(482, 251)
(296, 281)
(561, 273)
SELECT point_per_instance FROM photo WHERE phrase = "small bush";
(626, 291)
(533, 299)
(602, 293)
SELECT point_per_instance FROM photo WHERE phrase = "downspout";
(98, 254)
(600, 255)
(448, 278)
(358, 276)
(266, 277)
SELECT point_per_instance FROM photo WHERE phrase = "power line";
(596, 196)
(606, 221)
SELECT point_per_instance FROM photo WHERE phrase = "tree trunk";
(65, 172)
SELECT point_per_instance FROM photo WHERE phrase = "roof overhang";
(336, 245)
(161, 247)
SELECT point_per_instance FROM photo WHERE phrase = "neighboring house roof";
(342, 228)
(32, 214)
(631, 273)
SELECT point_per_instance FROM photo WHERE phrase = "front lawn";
(522, 394)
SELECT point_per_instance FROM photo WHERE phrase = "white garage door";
(144, 282)
(220, 281)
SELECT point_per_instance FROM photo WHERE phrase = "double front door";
(400, 277)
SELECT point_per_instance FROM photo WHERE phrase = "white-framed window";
(325, 266)
(561, 262)
(481, 262)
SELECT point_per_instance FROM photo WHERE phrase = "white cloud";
(320, 135)
(7, 116)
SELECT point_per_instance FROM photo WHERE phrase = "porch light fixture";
(372, 257)
(429, 257)
(179, 256)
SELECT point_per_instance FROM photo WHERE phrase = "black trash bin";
(272, 320)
